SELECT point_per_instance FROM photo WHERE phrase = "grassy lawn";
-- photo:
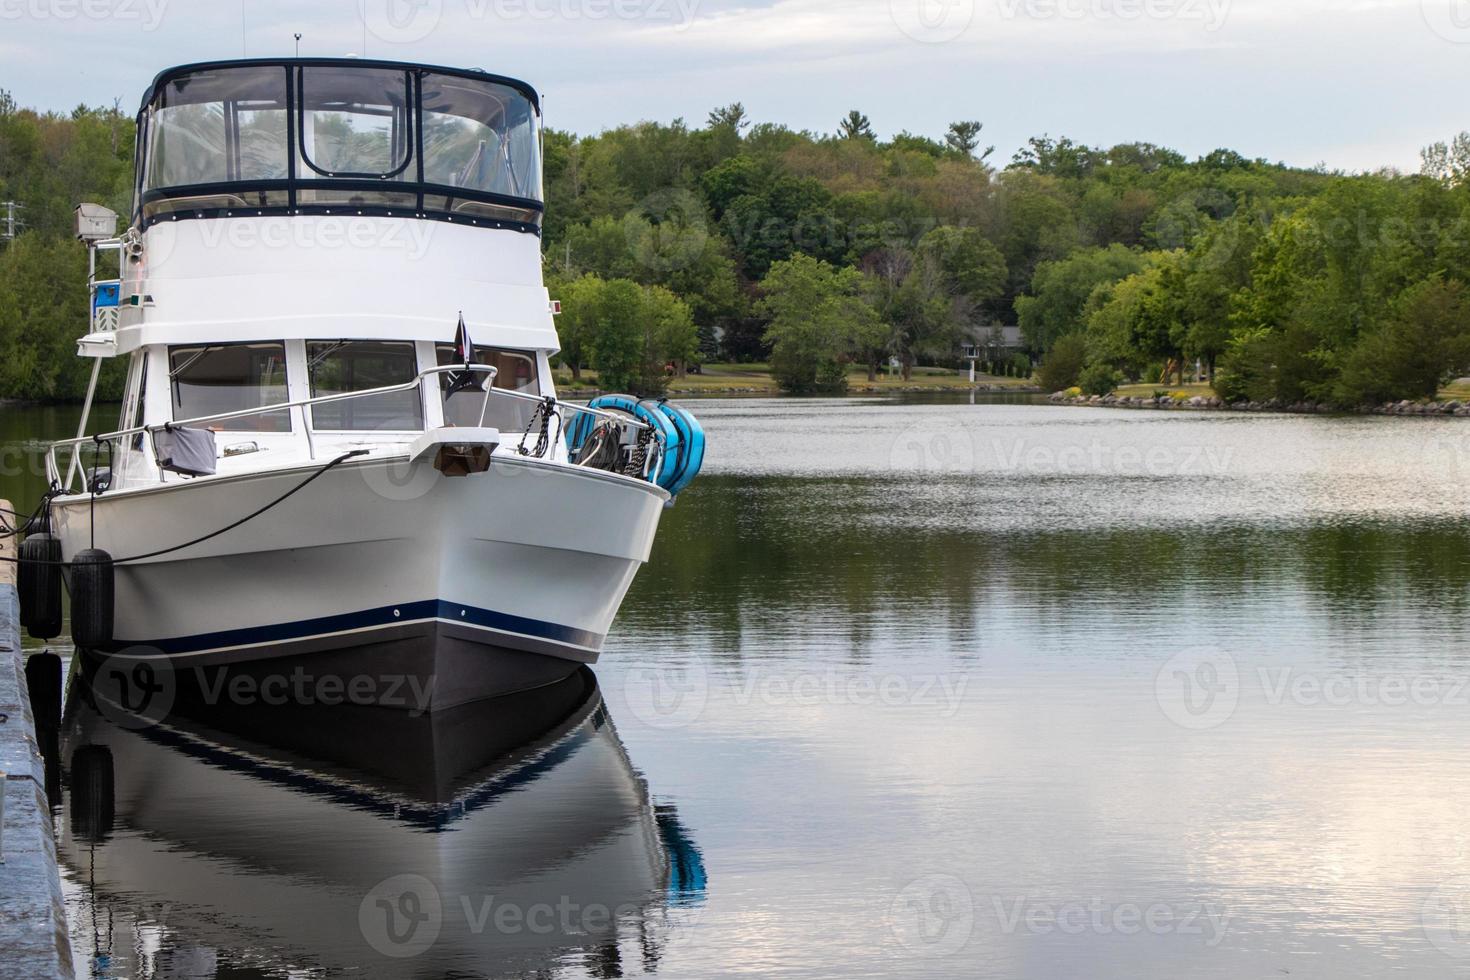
(756, 379)
(1456, 391)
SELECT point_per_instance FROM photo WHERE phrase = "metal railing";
(53, 471)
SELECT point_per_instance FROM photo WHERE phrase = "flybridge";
(339, 136)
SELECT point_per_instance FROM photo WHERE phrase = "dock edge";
(33, 931)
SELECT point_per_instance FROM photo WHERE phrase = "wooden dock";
(33, 937)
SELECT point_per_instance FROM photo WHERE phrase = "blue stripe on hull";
(306, 629)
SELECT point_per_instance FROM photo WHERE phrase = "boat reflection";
(511, 836)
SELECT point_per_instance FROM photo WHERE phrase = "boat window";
(354, 122)
(514, 371)
(340, 366)
(211, 380)
(481, 136)
(219, 126)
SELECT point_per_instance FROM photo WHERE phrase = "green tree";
(619, 345)
(972, 267)
(854, 126)
(1424, 344)
(964, 137)
(818, 319)
(576, 327)
(1063, 364)
(670, 340)
(731, 116)
(43, 310)
(1060, 290)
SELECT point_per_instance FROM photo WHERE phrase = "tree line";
(671, 244)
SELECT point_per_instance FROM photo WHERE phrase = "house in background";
(991, 342)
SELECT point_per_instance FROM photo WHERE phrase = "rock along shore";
(1202, 403)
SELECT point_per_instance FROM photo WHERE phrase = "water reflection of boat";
(505, 836)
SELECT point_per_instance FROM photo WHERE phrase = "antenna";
(12, 223)
(298, 45)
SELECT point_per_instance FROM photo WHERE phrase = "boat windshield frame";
(306, 188)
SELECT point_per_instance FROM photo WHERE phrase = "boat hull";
(380, 575)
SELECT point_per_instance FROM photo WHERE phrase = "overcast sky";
(1354, 84)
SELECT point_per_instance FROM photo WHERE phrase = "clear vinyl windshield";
(298, 136)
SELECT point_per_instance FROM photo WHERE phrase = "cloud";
(1341, 81)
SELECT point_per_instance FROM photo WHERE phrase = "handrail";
(152, 430)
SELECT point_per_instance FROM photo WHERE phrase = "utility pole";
(12, 222)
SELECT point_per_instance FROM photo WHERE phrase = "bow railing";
(150, 432)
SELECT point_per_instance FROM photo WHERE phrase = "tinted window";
(230, 378)
(341, 366)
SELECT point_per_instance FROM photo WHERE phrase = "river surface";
(909, 688)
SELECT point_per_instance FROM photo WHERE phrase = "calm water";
(907, 689)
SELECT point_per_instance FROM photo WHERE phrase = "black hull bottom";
(418, 667)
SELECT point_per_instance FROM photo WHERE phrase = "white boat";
(280, 841)
(340, 445)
